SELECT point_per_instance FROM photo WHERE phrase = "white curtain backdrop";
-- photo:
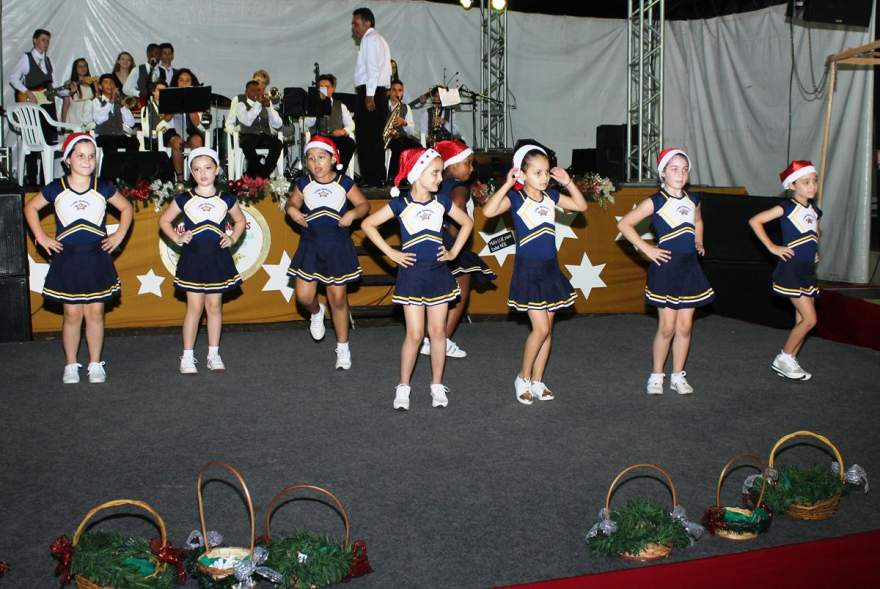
(726, 78)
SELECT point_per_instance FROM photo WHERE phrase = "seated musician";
(258, 129)
(405, 134)
(338, 125)
(113, 123)
(155, 123)
(138, 82)
(435, 122)
(77, 106)
(188, 125)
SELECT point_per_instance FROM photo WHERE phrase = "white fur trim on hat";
(664, 161)
(797, 175)
(421, 164)
(521, 154)
(459, 157)
(200, 151)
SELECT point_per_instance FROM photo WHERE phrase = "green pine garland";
(797, 484)
(328, 561)
(639, 523)
(111, 559)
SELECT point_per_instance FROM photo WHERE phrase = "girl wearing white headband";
(537, 287)
(81, 275)
(205, 269)
(325, 203)
(425, 285)
(676, 283)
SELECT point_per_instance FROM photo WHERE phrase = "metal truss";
(644, 96)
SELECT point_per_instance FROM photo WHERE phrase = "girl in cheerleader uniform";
(425, 285)
(537, 286)
(81, 275)
(676, 283)
(458, 161)
(325, 203)
(205, 269)
(795, 275)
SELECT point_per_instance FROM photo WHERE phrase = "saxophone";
(388, 131)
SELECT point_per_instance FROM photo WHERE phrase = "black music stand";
(294, 102)
(184, 100)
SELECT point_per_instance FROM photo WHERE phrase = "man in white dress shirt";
(258, 129)
(338, 124)
(372, 78)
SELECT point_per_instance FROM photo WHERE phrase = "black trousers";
(346, 147)
(50, 134)
(116, 164)
(250, 143)
(369, 124)
(397, 146)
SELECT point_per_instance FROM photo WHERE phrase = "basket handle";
(753, 459)
(809, 434)
(299, 486)
(247, 496)
(631, 468)
(163, 536)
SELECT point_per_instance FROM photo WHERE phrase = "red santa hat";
(327, 144)
(412, 163)
(453, 151)
(72, 140)
(796, 170)
(667, 154)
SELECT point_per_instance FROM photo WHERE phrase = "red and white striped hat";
(327, 144)
(795, 170)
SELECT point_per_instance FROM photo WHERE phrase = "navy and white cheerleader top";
(534, 223)
(674, 221)
(324, 204)
(421, 224)
(799, 232)
(79, 216)
(205, 216)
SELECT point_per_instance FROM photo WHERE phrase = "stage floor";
(485, 492)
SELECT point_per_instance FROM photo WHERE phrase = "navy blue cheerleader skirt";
(425, 283)
(468, 263)
(330, 259)
(82, 273)
(206, 267)
(795, 278)
(679, 283)
(539, 285)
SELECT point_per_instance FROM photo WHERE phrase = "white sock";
(657, 376)
(213, 351)
(342, 346)
(784, 355)
(677, 375)
(188, 354)
(404, 388)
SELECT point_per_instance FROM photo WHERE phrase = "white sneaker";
(188, 365)
(316, 325)
(215, 363)
(788, 367)
(426, 347)
(97, 374)
(401, 397)
(343, 358)
(655, 384)
(453, 351)
(541, 392)
(71, 373)
(438, 395)
(679, 384)
(523, 389)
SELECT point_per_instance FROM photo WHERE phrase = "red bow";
(62, 550)
(171, 556)
(359, 564)
(264, 539)
(3, 567)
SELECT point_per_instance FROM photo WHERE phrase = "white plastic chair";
(25, 119)
(236, 155)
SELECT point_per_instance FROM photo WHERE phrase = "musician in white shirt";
(338, 124)
(258, 129)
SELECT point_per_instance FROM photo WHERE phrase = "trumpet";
(274, 95)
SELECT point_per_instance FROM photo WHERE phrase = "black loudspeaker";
(743, 291)
(611, 151)
(15, 319)
(294, 102)
(13, 253)
(493, 165)
(855, 13)
(728, 235)
(583, 161)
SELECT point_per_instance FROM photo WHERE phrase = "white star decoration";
(501, 254)
(37, 274)
(278, 278)
(585, 276)
(563, 226)
(151, 283)
(647, 235)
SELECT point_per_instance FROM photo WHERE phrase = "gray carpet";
(485, 492)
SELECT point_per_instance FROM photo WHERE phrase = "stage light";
(466, 4)
(499, 4)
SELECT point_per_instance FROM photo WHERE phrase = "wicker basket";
(652, 551)
(84, 583)
(731, 534)
(237, 554)
(273, 505)
(821, 509)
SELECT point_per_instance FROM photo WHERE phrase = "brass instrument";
(132, 103)
(274, 95)
(388, 131)
(436, 130)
